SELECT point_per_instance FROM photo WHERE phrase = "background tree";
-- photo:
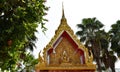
(96, 40)
(115, 37)
(18, 22)
(89, 28)
(107, 55)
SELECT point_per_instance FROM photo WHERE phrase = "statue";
(65, 58)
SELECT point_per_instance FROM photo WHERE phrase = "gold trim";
(80, 67)
(65, 27)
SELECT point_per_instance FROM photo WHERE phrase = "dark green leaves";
(115, 37)
(100, 42)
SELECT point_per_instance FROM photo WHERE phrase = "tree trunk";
(96, 53)
(112, 63)
(99, 69)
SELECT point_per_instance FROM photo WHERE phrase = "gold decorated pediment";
(65, 51)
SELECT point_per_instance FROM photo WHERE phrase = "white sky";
(107, 11)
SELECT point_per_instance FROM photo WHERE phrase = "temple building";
(65, 53)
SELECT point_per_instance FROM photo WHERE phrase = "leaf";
(82, 39)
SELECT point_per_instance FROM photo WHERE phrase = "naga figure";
(41, 60)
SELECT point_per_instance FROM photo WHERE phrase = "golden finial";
(63, 15)
(63, 19)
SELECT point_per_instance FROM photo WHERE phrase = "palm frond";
(80, 26)
(82, 39)
(79, 33)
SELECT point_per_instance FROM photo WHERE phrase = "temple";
(65, 53)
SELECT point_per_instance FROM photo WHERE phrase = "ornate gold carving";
(41, 60)
(70, 67)
(90, 59)
(64, 55)
(64, 27)
(65, 58)
(66, 61)
(40, 57)
(41, 63)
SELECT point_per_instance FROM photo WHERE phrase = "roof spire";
(63, 19)
(63, 15)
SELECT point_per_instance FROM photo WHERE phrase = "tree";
(115, 37)
(96, 40)
(107, 56)
(28, 65)
(114, 34)
(18, 22)
(88, 30)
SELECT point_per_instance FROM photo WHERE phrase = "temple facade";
(65, 53)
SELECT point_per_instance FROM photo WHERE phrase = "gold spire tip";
(63, 15)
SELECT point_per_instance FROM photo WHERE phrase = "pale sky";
(107, 11)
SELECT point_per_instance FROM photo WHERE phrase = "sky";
(106, 11)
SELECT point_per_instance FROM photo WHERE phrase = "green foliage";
(88, 28)
(115, 37)
(90, 33)
(18, 22)
(28, 64)
(98, 41)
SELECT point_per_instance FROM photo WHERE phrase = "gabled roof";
(62, 29)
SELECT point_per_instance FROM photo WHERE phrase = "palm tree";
(89, 30)
(98, 41)
(115, 42)
(108, 58)
(115, 37)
